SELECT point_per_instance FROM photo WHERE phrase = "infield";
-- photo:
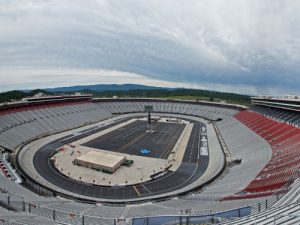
(135, 140)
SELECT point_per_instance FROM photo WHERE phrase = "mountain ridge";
(105, 87)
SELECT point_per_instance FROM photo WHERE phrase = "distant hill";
(133, 91)
(186, 94)
(105, 87)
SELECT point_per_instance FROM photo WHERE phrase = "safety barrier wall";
(189, 220)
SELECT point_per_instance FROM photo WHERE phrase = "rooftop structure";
(100, 161)
(287, 102)
(280, 97)
(43, 101)
(45, 98)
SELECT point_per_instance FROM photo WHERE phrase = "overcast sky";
(244, 46)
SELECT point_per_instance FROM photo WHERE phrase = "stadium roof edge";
(284, 102)
(242, 107)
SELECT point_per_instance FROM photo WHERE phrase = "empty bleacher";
(13, 218)
(200, 110)
(283, 168)
(281, 115)
(18, 127)
(268, 150)
(245, 145)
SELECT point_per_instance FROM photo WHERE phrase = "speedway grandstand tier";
(192, 162)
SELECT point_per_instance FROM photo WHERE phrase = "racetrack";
(191, 168)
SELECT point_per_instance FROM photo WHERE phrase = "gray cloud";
(250, 44)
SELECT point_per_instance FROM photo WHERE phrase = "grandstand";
(251, 170)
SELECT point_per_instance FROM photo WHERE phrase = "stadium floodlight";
(149, 109)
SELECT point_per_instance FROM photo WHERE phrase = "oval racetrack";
(192, 167)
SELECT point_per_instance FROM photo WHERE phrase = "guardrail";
(15, 177)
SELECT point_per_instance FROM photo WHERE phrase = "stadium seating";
(9, 217)
(281, 115)
(18, 127)
(276, 215)
(268, 150)
(283, 168)
(208, 112)
(244, 145)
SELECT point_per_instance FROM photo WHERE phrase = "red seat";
(284, 140)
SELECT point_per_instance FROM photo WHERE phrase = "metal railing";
(214, 218)
(17, 203)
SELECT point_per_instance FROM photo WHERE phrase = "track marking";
(199, 142)
(137, 191)
(136, 139)
(165, 151)
(146, 188)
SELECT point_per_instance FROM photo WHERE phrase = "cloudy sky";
(244, 46)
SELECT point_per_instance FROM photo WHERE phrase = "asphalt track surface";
(192, 167)
(133, 138)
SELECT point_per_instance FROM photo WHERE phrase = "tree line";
(192, 94)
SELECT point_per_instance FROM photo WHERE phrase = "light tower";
(149, 109)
